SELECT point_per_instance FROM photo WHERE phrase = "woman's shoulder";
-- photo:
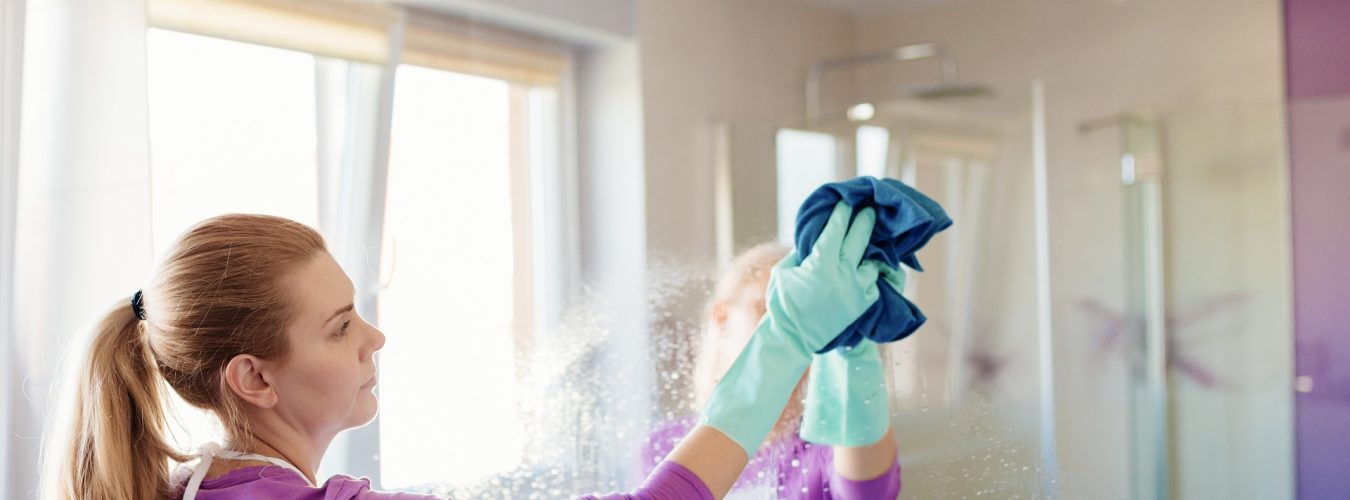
(343, 486)
(278, 482)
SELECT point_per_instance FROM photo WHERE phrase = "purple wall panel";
(1317, 33)
(1320, 145)
(1318, 43)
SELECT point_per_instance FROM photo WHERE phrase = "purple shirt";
(270, 481)
(669, 481)
(789, 468)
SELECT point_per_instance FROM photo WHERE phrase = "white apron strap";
(209, 451)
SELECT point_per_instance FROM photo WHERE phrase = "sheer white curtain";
(82, 204)
(11, 63)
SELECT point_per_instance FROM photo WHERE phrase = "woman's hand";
(817, 299)
(808, 305)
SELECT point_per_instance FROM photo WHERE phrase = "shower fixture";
(947, 86)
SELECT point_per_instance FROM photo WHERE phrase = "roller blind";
(361, 32)
(358, 32)
(452, 44)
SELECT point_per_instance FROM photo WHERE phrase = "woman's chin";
(368, 406)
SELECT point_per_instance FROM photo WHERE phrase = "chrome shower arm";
(901, 53)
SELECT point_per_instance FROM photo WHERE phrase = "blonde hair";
(749, 268)
(219, 293)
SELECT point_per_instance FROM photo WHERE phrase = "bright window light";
(805, 161)
(448, 387)
(872, 142)
(232, 129)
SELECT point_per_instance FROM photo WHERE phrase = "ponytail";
(113, 447)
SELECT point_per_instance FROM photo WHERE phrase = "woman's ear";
(244, 375)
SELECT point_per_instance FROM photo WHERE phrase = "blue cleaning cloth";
(906, 220)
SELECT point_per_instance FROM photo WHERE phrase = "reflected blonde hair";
(749, 268)
(218, 293)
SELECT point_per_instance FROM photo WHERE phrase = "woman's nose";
(377, 340)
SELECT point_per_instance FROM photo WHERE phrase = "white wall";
(705, 64)
(711, 61)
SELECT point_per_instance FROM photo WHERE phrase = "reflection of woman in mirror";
(250, 317)
(785, 466)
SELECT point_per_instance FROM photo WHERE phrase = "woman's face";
(326, 381)
(740, 314)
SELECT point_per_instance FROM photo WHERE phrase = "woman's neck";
(287, 444)
(261, 447)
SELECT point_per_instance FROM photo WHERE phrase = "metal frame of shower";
(1142, 170)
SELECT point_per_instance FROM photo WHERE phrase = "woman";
(785, 466)
(251, 318)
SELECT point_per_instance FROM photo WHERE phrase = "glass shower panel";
(1230, 360)
(1198, 319)
(1142, 170)
(1141, 173)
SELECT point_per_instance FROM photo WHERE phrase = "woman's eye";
(343, 331)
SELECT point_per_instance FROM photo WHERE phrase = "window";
(232, 129)
(286, 111)
(805, 161)
(872, 143)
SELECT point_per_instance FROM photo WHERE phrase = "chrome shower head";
(947, 90)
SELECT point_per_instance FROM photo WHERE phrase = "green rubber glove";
(847, 401)
(808, 305)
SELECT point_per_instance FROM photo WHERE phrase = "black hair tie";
(137, 305)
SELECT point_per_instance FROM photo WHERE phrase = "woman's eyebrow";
(344, 309)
